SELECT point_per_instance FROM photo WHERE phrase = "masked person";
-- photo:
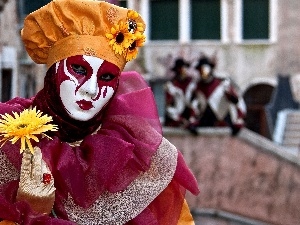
(107, 163)
(215, 100)
(178, 111)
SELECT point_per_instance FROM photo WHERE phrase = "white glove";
(33, 188)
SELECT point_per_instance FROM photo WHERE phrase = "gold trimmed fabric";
(8, 171)
(119, 208)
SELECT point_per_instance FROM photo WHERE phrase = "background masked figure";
(107, 163)
(216, 100)
(178, 111)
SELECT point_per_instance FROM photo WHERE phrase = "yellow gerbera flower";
(133, 49)
(25, 126)
(120, 37)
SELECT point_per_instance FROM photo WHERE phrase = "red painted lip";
(85, 105)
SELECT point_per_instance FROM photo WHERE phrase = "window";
(255, 19)
(197, 20)
(206, 19)
(191, 20)
(6, 85)
(30, 85)
(123, 3)
(32, 5)
(26, 7)
(164, 19)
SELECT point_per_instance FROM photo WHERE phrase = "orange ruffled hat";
(65, 28)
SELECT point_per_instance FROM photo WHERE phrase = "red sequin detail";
(46, 178)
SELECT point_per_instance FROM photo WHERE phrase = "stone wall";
(245, 175)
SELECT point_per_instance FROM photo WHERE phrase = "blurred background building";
(256, 45)
(254, 41)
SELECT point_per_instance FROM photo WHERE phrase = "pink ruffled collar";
(113, 157)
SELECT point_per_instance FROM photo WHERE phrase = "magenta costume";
(113, 169)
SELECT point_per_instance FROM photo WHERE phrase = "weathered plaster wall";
(245, 62)
(288, 49)
(9, 32)
(246, 175)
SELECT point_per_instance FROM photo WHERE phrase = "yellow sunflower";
(134, 26)
(120, 38)
(133, 49)
(25, 126)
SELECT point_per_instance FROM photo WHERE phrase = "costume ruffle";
(108, 160)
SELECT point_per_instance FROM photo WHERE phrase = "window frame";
(184, 31)
(272, 37)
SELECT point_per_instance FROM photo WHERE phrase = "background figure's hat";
(65, 28)
(205, 61)
(180, 63)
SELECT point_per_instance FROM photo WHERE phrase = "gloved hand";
(232, 97)
(235, 130)
(36, 185)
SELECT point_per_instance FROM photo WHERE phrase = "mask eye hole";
(81, 70)
(107, 77)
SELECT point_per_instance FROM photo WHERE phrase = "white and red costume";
(216, 101)
(178, 111)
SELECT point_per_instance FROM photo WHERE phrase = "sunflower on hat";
(120, 37)
(125, 38)
(133, 49)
